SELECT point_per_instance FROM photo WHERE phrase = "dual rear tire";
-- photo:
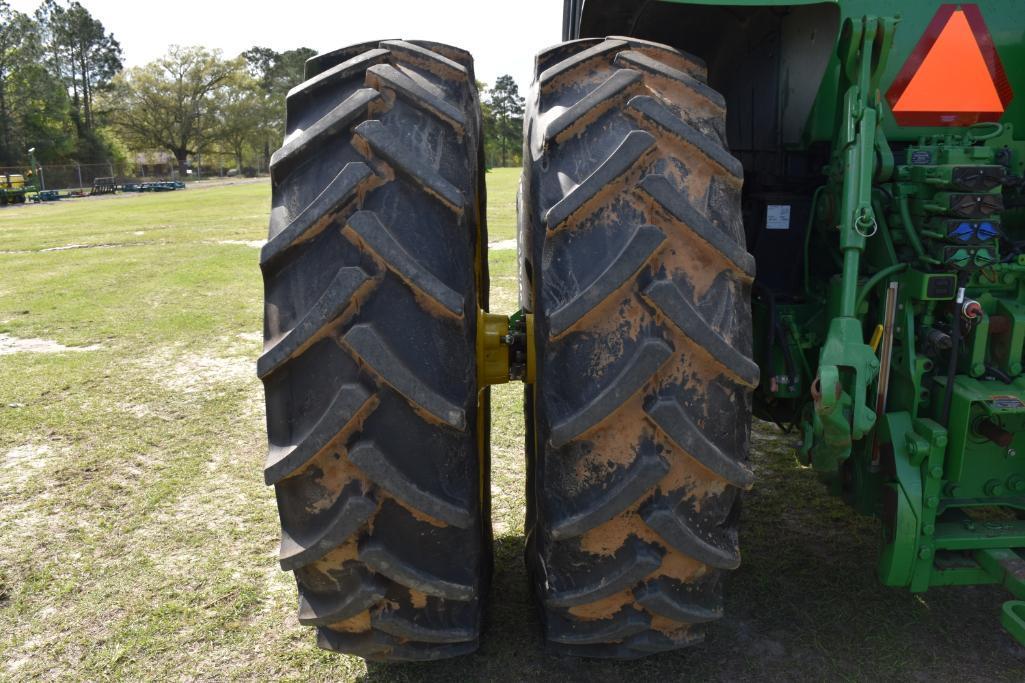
(372, 285)
(640, 289)
(635, 270)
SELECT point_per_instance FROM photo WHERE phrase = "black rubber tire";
(640, 289)
(373, 279)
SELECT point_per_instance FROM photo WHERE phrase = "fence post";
(78, 167)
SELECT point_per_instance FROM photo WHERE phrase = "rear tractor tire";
(640, 287)
(373, 279)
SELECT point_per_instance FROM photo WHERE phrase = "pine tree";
(504, 107)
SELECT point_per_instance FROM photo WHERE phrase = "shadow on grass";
(805, 605)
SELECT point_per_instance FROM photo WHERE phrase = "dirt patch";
(502, 245)
(21, 462)
(68, 247)
(193, 373)
(9, 345)
(224, 182)
(72, 247)
(139, 411)
(255, 244)
(182, 371)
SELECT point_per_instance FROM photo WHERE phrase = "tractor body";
(884, 203)
(809, 212)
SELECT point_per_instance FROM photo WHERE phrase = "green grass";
(138, 540)
(502, 184)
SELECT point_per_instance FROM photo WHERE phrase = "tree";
(276, 73)
(242, 114)
(503, 123)
(15, 36)
(172, 103)
(33, 107)
(81, 52)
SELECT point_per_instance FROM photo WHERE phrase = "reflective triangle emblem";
(954, 76)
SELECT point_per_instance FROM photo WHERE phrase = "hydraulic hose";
(955, 349)
(884, 223)
(807, 240)
(909, 229)
(775, 333)
(875, 280)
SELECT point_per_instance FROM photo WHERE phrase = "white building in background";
(154, 164)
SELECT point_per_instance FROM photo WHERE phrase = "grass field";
(137, 540)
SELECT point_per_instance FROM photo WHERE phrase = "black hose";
(788, 358)
(775, 333)
(999, 374)
(955, 349)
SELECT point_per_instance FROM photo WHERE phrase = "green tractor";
(809, 212)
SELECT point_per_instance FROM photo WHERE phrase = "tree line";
(52, 66)
(65, 92)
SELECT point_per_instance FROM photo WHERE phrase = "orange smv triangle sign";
(951, 83)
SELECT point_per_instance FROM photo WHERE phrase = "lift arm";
(847, 365)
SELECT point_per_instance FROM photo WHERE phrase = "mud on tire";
(640, 285)
(371, 294)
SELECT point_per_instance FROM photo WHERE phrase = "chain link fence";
(70, 177)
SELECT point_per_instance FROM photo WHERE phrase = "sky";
(503, 37)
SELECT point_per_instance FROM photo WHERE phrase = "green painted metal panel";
(974, 535)
(1003, 18)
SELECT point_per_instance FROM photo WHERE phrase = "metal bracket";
(505, 348)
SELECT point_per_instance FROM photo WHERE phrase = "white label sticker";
(777, 217)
